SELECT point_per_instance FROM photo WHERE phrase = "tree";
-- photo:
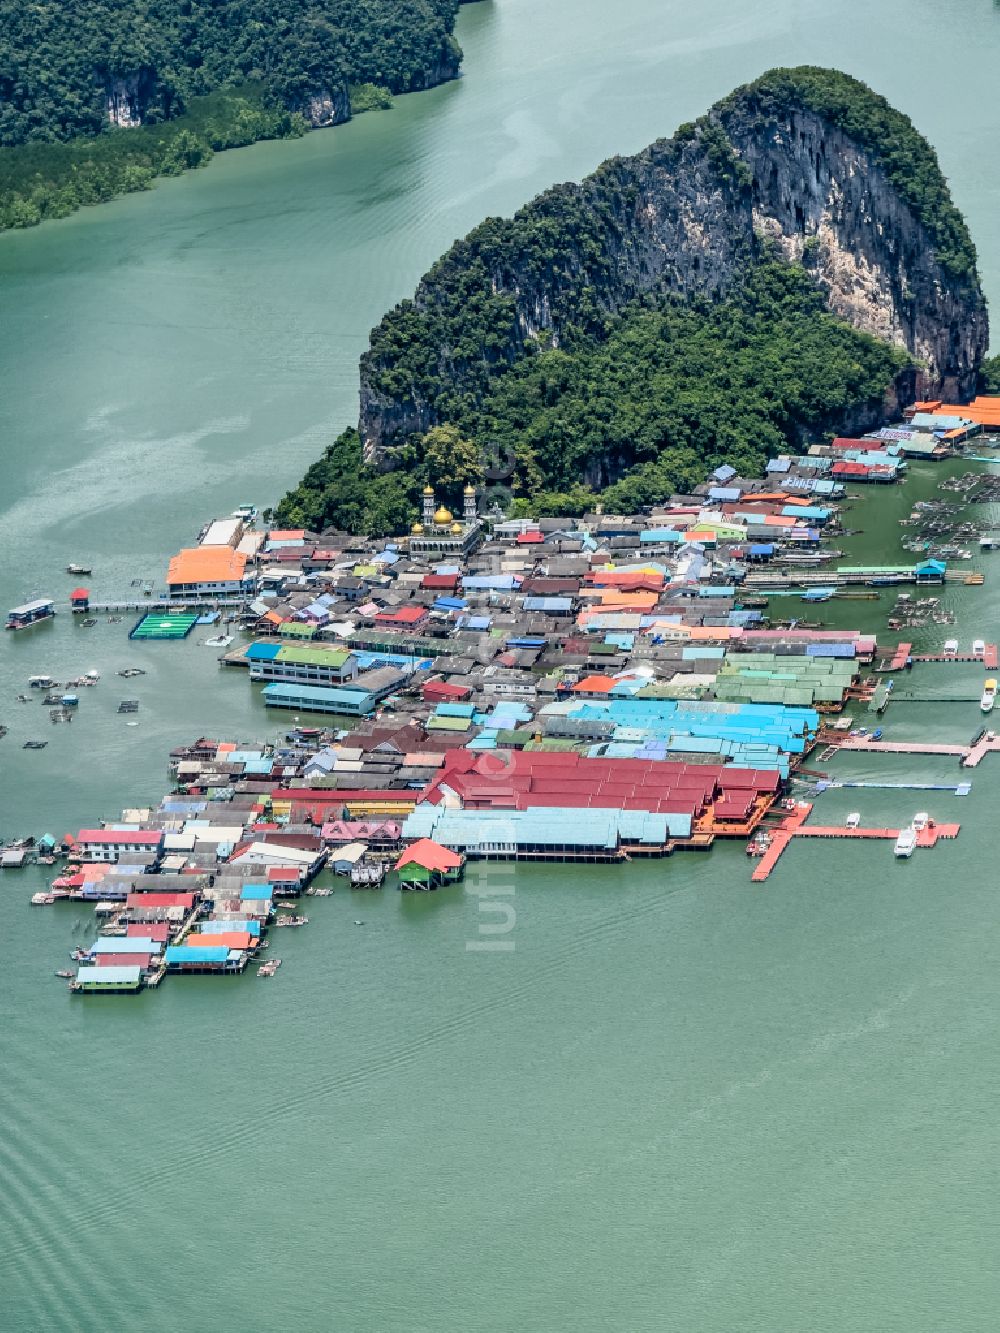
(451, 460)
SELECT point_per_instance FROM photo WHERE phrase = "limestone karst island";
(558, 660)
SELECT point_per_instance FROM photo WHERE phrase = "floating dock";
(794, 826)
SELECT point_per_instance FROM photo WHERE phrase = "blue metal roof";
(196, 953)
(263, 652)
(224, 927)
(255, 892)
(548, 603)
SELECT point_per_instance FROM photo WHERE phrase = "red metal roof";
(185, 900)
(159, 930)
(403, 615)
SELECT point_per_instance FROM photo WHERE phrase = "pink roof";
(119, 837)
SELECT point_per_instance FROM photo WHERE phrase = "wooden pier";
(794, 826)
(162, 604)
(988, 659)
(970, 755)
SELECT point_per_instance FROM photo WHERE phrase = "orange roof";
(430, 855)
(637, 600)
(286, 534)
(982, 411)
(207, 564)
(231, 939)
(594, 685)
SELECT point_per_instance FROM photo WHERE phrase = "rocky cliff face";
(128, 96)
(327, 107)
(829, 203)
(684, 217)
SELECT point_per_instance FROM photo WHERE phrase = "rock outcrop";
(764, 170)
(128, 96)
(325, 107)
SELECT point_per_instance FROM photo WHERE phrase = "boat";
(64, 972)
(31, 613)
(853, 820)
(906, 843)
(41, 682)
(921, 820)
(79, 569)
(291, 921)
(989, 696)
(269, 968)
(219, 641)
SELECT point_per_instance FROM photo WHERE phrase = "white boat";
(989, 696)
(219, 641)
(920, 821)
(906, 842)
(853, 820)
(979, 648)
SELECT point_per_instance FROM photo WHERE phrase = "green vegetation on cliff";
(51, 180)
(670, 390)
(619, 335)
(200, 75)
(58, 61)
(891, 137)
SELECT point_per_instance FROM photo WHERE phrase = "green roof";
(437, 723)
(331, 657)
(296, 629)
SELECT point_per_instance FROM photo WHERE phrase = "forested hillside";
(97, 97)
(630, 417)
(790, 263)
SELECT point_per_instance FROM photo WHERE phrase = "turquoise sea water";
(681, 1102)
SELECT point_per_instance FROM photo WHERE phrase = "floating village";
(588, 690)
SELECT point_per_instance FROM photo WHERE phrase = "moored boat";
(989, 696)
(906, 843)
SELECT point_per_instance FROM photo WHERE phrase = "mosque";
(441, 533)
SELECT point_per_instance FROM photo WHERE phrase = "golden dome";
(457, 529)
(443, 515)
(428, 490)
(417, 529)
(470, 489)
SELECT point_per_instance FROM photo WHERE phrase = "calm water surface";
(680, 1103)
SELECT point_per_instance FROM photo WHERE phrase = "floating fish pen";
(168, 625)
(129, 706)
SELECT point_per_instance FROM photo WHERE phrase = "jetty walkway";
(794, 826)
(970, 755)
